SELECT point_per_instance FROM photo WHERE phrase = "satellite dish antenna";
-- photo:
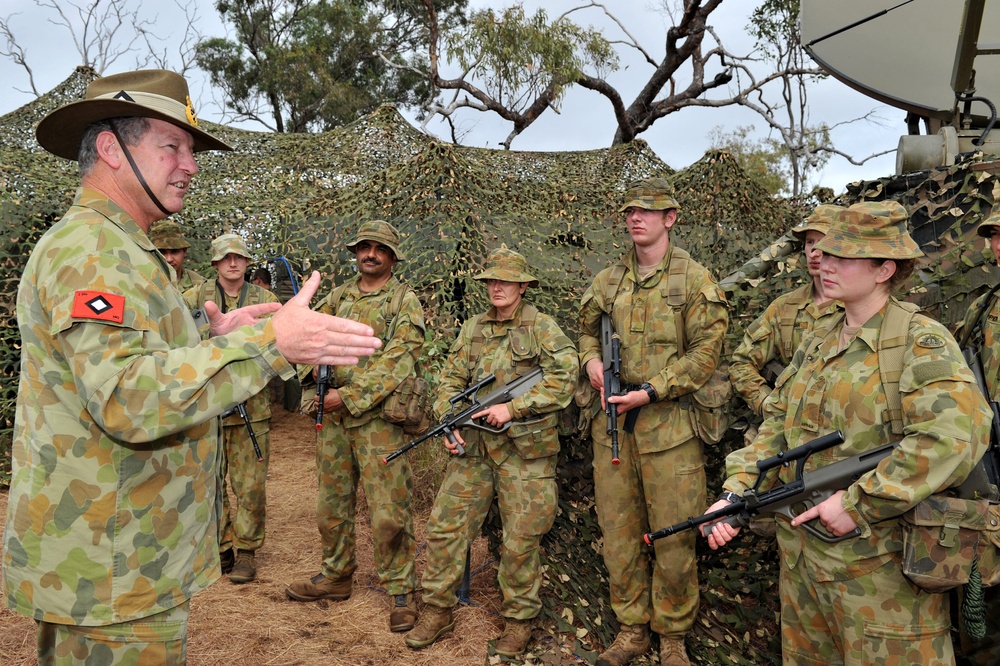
(938, 61)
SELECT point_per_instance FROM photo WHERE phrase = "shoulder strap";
(892, 341)
(334, 298)
(396, 305)
(476, 348)
(786, 325)
(614, 283)
(677, 293)
(977, 323)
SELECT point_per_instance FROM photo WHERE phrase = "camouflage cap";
(168, 235)
(507, 265)
(651, 194)
(820, 220)
(986, 227)
(870, 230)
(379, 231)
(229, 244)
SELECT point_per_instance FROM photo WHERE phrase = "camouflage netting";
(303, 196)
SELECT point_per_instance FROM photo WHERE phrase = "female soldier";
(848, 602)
(517, 466)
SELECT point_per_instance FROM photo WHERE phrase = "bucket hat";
(147, 93)
(379, 231)
(820, 220)
(168, 235)
(651, 194)
(870, 230)
(507, 265)
(229, 244)
(987, 226)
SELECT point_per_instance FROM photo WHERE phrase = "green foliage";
(760, 158)
(312, 65)
(517, 57)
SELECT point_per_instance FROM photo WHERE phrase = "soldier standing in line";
(983, 318)
(517, 466)
(849, 601)
(239, 539)
(777, 333)
(116, 405)
(661, 478)
(168, 237)
(356, 438)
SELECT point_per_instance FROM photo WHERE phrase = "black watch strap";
(729, 496)
(650, 391)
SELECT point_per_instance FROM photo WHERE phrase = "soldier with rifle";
(847, 600)
(353, 436)
(246, 439)
(661, 476)
(980, 342)
(514, 463)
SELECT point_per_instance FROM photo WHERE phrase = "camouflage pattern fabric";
(189, 280)
(879, 618)
(159, 639)
(946, 424)
(354, 440)
(763, 342)
(246, 475)
(667, 597)
(517, 466)
(101, 531)
(987, 651)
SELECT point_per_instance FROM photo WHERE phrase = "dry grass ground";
(254, 624)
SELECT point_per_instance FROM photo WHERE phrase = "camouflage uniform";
(518, 466)
(986, 651)
(360, 438)
(112, 513)
(247, 477)
(661, 479)
(848, 602)
(168, 235)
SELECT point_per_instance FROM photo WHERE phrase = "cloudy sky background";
(585, 120)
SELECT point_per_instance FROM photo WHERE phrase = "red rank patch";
(98, 305)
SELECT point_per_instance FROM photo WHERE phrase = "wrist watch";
(729, 496)
(650, 391)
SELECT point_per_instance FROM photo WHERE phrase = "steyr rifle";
(242, 410)
(611, 358)
(461, 417)
(322, 386)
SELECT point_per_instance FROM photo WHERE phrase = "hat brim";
(60, 131)
(500, 274)
(395, 250)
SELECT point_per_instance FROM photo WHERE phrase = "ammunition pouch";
(942, 535)
(536, 437)
(409, 406)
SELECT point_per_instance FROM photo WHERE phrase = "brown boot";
(632, 641)
(673, 652)
(245, 568)
(320, 587)
(514, 639)
(227, 558)
(403, 614)
(434, 623)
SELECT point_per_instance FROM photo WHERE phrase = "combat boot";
(514, 639)
(434, 623)
(320, 587)
(403, 614)
(631, 642)
(227, 559)
(245, 569)
(673, 652)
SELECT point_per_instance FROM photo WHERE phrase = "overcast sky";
(585, 121)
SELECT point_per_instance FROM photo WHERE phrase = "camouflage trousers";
(157, 640)
(247, 478)
(646, 492)
(526, 494)
(876, 619)
(343, 455)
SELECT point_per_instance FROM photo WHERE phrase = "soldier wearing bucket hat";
(114, 358)
(769, 342)
(168, 237)
(878, 372)
(356, 433)
(241, 535)
(517, 466)
(981, 331)
(653, 292)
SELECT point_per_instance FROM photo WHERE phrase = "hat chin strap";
(135, 170)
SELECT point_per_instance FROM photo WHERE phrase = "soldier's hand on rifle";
(453, 446)
(332, 401)
(495, 416)
(719, 534)
(831, 513)
(595, 372)
(630, 400)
